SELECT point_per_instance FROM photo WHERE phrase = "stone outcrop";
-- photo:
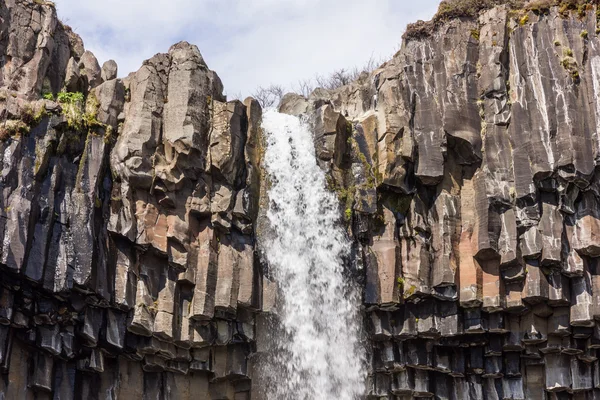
(470, 189)
(127, 208)
(466, 168)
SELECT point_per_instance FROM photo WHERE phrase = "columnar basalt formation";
(477, 222)
(466, 172)
(127, 208)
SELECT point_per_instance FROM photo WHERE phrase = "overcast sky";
(249, 43)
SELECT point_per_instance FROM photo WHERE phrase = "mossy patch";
(410, 292)
(348, 214)
(32, 117)
(524, 19)
(568, 52)
(81, 113)
(13, 128)
(400, 282)
(570, 65)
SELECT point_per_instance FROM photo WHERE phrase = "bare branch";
(304, 87)
(271, 95)
(268, 96)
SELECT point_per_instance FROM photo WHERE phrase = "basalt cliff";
(131, 213)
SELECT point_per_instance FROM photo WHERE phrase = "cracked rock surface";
(470, 190)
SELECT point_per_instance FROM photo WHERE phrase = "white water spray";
(318, 351)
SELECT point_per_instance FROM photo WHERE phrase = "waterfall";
(317, 347)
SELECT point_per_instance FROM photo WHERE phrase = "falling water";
(317, 350)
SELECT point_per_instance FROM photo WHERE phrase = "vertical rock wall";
(127, 266)
(466, 172)
(470, 188)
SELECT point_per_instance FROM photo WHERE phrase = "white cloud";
(247, 42)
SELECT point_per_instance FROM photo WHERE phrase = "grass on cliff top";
(452, 9)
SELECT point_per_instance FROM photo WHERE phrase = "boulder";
(109, 70)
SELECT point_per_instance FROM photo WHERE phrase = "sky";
(249, 43)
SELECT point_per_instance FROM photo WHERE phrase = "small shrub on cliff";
(90, 116)
(45, 3)
(30, 117)
(27, 114)
(12, 128)
(73, 104)
(568, 52)
(566, 6)
(70, 97)
(449, 9)
(570, 65)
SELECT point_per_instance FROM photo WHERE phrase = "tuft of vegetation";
(12, 128)
(90, 117)
(31, 117)
(568, 52)
(348, 214)
(400, 282)
(570, 65)
(524, 19)
(584, 34)
(27, 118)
(48, 96)
(72, 108)
(80, 114)
(70, 97)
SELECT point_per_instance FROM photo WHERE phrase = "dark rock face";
(466, 171)
(127, 260)
(470, 188)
